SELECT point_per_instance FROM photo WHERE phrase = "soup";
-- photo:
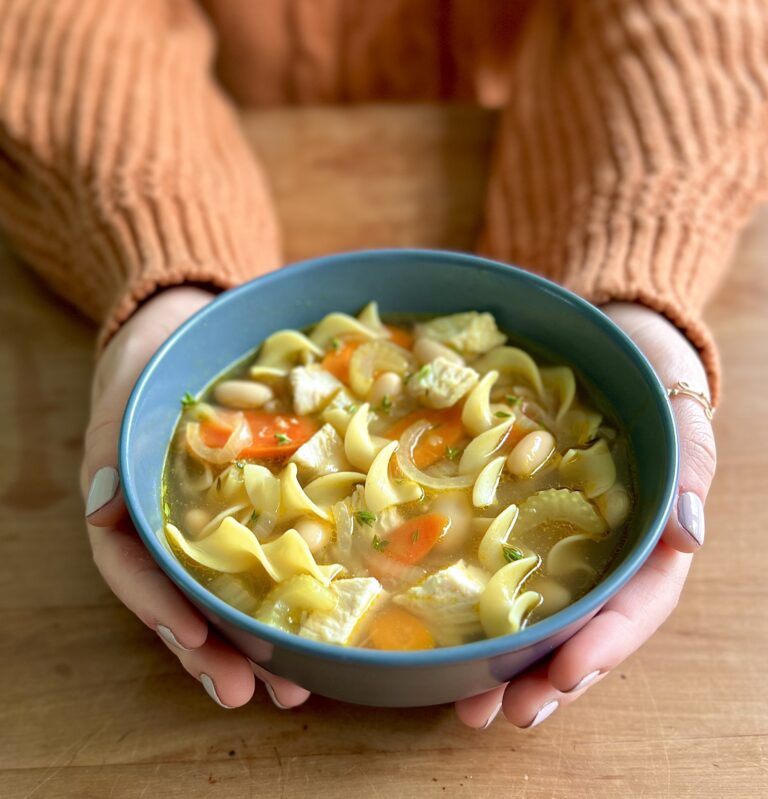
(397, 486)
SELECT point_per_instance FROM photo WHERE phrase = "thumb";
(676, 362)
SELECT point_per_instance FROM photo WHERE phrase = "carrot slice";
(435, 443)
(394, 628)
(413, 540)
(337, 361)
(400, 336)
(275, 435)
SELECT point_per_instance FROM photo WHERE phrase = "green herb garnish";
(282, 438)
(451, 453)
(254, 517)
(167, 510)
(386, 404)
(415, 535)
(187, 401)
(335, 344)
(240, 464)
(379, 544)
(366, 517)
(511, 554)
(351, 408)
(423, 372)
(502, 414)
(513, 399)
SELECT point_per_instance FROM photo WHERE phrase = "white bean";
(427, 349)
(454, 505)
(387, 384)
(316, 534)
(530, 453)
(195, 519)
(242, 394)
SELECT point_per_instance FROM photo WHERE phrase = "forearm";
(635, 148)
(122, 167)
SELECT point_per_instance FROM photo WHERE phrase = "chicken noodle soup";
(396, 487)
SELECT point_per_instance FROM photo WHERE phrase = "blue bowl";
(402, 281)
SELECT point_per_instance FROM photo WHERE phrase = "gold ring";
(681, 388)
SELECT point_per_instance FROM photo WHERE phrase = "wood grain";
(94, 705)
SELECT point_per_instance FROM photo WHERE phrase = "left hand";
(629, 619)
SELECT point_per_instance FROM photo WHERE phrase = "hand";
(638, 610)
(126, 566)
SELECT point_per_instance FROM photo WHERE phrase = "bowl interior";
(403, 281)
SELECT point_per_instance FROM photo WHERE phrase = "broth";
(505, 498)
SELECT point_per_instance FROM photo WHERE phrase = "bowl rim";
(583, 608)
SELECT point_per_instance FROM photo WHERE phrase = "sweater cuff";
(147, 285)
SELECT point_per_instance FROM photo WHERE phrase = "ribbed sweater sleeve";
(634, 150)
(122, 167)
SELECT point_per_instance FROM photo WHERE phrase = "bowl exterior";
(403, 281)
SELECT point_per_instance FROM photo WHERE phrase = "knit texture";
(633, 143)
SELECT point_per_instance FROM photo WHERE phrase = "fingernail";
(584, 682)
(167, 635)
(492, 717)
(271, 694)
(103, 489)
(210, 689)
(545, 712)
(690, 514)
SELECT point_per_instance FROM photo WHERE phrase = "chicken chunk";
(469, 333)
(321, 454)
(313, 388)
(358, 596)
(447, 602)
(441, 383)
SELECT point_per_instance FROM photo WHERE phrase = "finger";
(531, 699)
(685, 528)
(480, 711)
(283, 693)
(224, 673)
(104, 504)
(624, 624)
(137, 581)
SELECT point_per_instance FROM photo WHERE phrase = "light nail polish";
(584, 682)
(167, 635)
(273, 697)
(546, 711)
(492, 717)
(210, 689)
(103, 488)
(690, 514)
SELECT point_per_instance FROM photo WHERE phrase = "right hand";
(126, 566)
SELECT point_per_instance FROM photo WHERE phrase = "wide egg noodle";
(329, 489)
(591, 470)
(490, 553)
(293, 597)
(338, 325)
(381, 490)
(476, 414)
(281, 350)
(480, 451)
(484, 489)
(560, 381)
(511, 361)
(233, 549)
(504, 608)
(359, 446)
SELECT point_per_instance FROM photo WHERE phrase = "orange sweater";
(632, 147)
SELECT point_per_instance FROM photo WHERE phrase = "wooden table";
(93, 704)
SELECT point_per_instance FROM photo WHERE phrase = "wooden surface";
(94, 706)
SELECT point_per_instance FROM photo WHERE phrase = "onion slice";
(240, 438)
(404, 455)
